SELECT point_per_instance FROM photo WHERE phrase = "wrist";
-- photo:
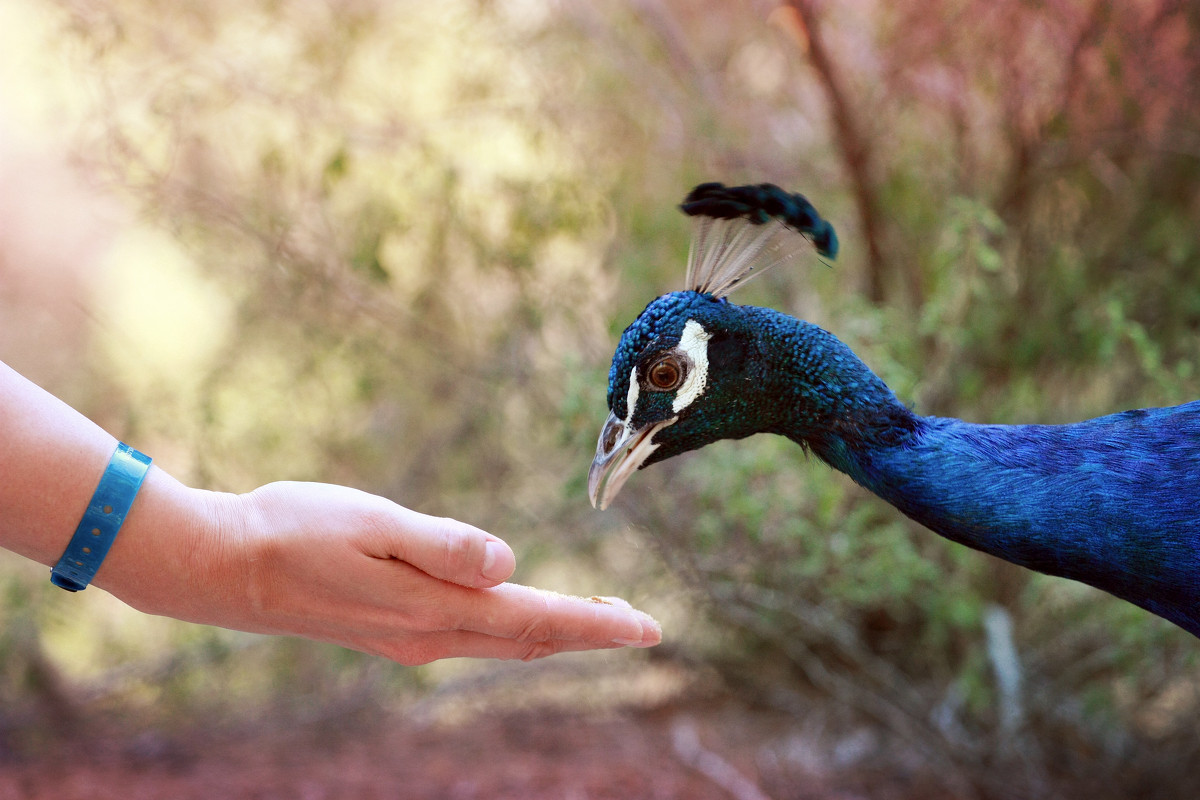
(170, 547)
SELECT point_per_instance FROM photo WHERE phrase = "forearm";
(51, 460)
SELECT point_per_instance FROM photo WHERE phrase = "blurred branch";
(887, 697)
(1002, 651)
(1028, 143)
(831, 655)
(40, 677)
(685, 740)
(854, 145)
(657, 16)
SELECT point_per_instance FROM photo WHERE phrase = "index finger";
(526, 614)
(442, 547)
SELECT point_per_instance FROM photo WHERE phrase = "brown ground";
(591, 727)
(566, 728)
(520, 755)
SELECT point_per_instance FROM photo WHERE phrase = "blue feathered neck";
(1105, 501)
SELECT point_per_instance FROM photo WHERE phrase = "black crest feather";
(760, 203)
(743, 230)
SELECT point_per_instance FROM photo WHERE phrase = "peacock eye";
(666, 374)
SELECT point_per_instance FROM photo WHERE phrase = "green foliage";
(427, 223)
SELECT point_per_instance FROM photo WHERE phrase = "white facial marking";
(694, 342)
(632, 398)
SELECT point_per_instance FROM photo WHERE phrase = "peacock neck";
(1092, 501)
(827, 399)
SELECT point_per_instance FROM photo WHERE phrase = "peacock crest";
(740, 232)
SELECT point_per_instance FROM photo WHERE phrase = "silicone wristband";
(105, 513)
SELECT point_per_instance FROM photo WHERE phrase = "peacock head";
(685, 371)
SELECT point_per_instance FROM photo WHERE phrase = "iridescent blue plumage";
(1109, 502)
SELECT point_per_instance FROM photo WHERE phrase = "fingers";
(444, 548)
(401, 598)
(422, 648)
(404, 614)
(468, 644)
(396, 599)
(525, 614)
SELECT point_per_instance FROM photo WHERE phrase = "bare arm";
(316, 560)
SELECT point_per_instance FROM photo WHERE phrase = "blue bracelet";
(98, 529)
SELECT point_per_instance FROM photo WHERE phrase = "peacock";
(1113, 502)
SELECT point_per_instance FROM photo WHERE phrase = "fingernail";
(651, 634)
(497, 561)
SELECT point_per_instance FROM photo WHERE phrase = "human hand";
(339, 565)
(308, 559)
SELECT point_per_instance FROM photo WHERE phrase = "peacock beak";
(620, 451)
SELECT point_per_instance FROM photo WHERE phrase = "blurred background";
(392, 245)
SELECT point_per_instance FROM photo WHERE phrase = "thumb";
(451, 550)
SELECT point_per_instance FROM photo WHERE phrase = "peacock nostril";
(611, 434)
